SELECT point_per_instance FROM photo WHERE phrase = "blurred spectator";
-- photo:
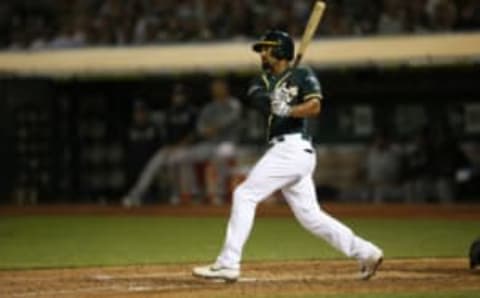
(218, 127)
(143, 140)
(121, 22)
(469, 15)
(103, 33)
(181, 117)
(112, 8)
(71, 35)
(5, 15)
(417, 20)
(448, 160)
(179, 127)
(29, 162)
(444, 16)
(392, 18)
(419, 168)
(383, 169)
(18, 39)
(336, 22)
(364, 15)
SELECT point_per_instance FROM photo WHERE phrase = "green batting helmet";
(280, 41)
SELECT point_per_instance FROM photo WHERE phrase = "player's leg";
(199, 159)
(145, 179)
(265, 178)
(217, 171)
(303, 201)
(184, 186)
(211, 179)
(272, 172)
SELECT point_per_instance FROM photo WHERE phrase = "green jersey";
(301, 84)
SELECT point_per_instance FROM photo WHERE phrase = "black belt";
(281, 138)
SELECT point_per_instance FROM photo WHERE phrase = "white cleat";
(369, 267)
(217, 272)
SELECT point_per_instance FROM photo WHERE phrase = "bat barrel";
(310, 29)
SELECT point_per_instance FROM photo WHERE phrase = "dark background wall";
(67, 136)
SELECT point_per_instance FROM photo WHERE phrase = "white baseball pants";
(175, 159)
(287, 166)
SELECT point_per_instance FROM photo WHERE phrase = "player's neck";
(280, 67)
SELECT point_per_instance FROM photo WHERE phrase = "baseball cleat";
(217, 272)
(369, 267)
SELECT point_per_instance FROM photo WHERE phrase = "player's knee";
(242, 194)
(239, 193)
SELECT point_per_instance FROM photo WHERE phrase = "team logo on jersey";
(290, 91)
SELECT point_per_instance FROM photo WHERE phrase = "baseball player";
(179, 123)
(289, 96)
(218, 129)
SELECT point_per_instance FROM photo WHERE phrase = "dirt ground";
(309, 277)
(295, 277)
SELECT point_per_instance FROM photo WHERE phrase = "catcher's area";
(296, 277)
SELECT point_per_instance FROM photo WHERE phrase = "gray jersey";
(223, 117)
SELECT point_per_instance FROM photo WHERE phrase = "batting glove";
(280, 94)
(280, 108)
(279, 102)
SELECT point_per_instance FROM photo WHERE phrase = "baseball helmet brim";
(258, 46)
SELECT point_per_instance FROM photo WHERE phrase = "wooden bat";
(310, 29)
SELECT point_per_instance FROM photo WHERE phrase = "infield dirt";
(261, 278)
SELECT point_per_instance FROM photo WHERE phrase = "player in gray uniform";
(217, 128)
(289, 96)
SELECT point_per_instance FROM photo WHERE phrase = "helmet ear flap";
(278, 52)
(284, 51)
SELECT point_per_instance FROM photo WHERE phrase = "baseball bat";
(310, 29)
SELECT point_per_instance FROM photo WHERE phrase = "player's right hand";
(280, 108)
(280, 94)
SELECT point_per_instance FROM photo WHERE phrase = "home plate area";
(295, 277)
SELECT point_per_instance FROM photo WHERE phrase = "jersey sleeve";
(258, 95)
(310, 86)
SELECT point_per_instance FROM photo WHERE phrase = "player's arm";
(192, 135)
(258, 97)
(311, 94)
(310, 108)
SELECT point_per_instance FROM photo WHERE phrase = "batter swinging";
(289, 96)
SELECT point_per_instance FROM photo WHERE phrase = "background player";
(179, 123)
(289, 96)
(218, 131)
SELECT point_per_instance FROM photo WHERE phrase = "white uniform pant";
(289, 167)
(178, 164)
